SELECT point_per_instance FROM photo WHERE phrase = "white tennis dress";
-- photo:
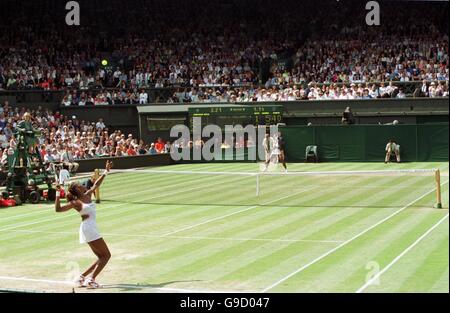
(88, 228)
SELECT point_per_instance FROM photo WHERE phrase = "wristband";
(105, 173)
(58, 193)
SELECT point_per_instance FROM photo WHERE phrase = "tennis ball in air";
(105, 62)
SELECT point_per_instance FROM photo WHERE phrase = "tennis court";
(168, 231)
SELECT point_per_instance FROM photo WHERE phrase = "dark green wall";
(123, 117)
(367, 142)
(125, 162)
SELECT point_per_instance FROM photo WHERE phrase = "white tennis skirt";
(89, 231)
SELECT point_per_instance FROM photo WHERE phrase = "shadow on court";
(134, 287)
(274, 204)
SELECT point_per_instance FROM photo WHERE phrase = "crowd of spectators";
(105, 97)
(67, 139)
(312, 91)
(262, 50)
(254, 93)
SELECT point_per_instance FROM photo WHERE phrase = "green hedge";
(421, 143)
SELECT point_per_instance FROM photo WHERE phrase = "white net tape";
(296, 173)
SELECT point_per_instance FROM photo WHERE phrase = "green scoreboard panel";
(238, 115)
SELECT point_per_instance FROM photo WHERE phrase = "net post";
(97, 192)
(257, 185)
(438, 189)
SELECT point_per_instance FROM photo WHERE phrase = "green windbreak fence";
(428, 142)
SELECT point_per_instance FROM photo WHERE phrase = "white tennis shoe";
(90, 283)
(80, 281)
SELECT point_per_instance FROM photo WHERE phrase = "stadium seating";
(203, 53)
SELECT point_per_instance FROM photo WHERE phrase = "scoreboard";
(238, 115)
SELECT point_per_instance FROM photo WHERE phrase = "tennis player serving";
(80, 199)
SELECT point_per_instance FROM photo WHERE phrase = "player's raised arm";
(99, 181)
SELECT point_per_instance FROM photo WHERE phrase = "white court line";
(346, 242)
(234, 213)
(374, 278)
(113, 206)
(32, 280)
(71, 284)
(183, 237)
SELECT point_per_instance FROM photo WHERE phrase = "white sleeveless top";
(89, 209)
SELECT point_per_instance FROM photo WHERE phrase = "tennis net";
(340, 188)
